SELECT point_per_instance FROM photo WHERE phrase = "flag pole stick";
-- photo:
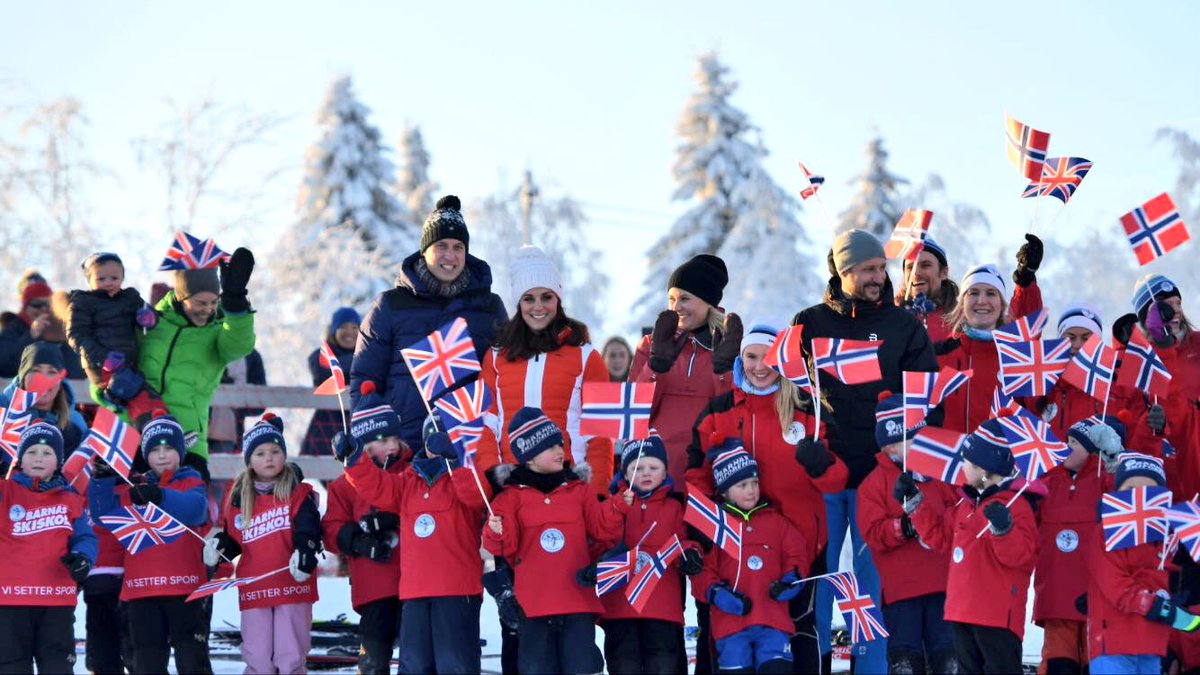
(816, 380)
(342, 408)
(818, 576)
(474, 473)
(828, 216)
(1033, 223)
(647, 534)
(738, 576)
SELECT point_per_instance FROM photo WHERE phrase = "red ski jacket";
(266, 543)
(1067, 529)
(369, 580)
(1121, 591)
(38, 528)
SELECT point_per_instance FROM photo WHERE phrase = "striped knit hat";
(373, 418)
(531, 433)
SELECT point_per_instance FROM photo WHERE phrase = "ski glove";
(377, 522)
(906, 527)
(125, 384)
(905, 491)
(1165, 612)
(146, 318)
(304, 556)
(372, 548)
(1123, 328)
(586, 576)
(438, 444)
(1029, 259)
(101, 469)
(785, 588)
(78, 565)
(498, 584)
(692, 563)
(813, 456)
(144, 493)
(728, 601)
(999, 518)
(664, 345)
(235, 276)
(921, 305)
(1156, 417)
(218, 546)
(1158, 319)
(727, 344)
(346, 449)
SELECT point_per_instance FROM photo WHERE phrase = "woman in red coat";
(1067, 404)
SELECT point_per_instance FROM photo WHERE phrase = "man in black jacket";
(858, 305)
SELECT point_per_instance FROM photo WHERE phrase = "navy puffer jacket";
(406, 314)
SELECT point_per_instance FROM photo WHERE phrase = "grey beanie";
(191, 282)
(854, 247)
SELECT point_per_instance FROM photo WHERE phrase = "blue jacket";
(189, 507)
(406, 314)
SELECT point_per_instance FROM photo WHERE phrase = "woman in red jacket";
(542, 359)
(992, 540)
(688, 355)
(773, 419)
(1067, 404)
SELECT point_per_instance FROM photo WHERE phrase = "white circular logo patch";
(795, 433)
(1168, 287)
(237, 521)
(958, 554)
(754, 563)
(552, 541)
(1067, 540)
(17, 512)
(643, 559)
(424, 526)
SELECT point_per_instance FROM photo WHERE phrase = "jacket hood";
(481, 276)
(839, 302)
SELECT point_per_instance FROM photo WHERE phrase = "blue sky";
(587, 94)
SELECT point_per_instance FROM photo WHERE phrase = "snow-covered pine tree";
(719, 170)
(959, 227)
(876, 207)
(413, 185)
(1179, 265)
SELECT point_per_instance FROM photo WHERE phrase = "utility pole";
(528, 193)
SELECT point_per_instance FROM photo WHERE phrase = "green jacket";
(184, 363)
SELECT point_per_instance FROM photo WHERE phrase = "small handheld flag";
(850, 361)
(648, 573)
(190, 253)
(936, 453)
(1024, 329)
(908, 237)
(1142, 368)
(613, 570)
(1061, 176)
(713, 522)
(1026, 147)
(141, 527)
(14, 419)
(1154, 229)
(1134, 517)
(217, 585)
(1185, 520)
(617, 410)
(814, 182)
(786, 355)
(858, 609)
(442, 358)
(336, 383)
(1031, 368)
(1034, 447)
(1091, 369)
(113, 441)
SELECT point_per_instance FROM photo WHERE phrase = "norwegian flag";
(646, 576)
(1154, 229)
(1133, 517)
(925, 391)
(1185, 520)
(14, 419)
(814, 182)
(1061, 176)
(857, 608)
(1035, 448)
(936, 453)
(113, 441)
(336, 382)
(79, 464)
(1002, 404)
(190, 253)
(466, 403)
(908, 237)
(786, 355)
(1141, 367)
(720, 527)
(1092, 368)
(617, 410)
(1032, 368)
(141, 527)
(613, 571)
(850, 361)
(444, 357)
(1024, 329)
(1026, 147)
(217, 585)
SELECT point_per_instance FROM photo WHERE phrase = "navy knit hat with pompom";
(268, 430)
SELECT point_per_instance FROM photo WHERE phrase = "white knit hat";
(987, 275)
(531, 268)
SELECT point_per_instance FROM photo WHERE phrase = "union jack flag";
(618, 410)
(646, 576)
(444, 357)
(1185, 520)
(1141, 367)
(1032, 368)
(141, 527)
(189, 253)
(908, 237)
(217, 585)
(1035, 448)
(1024, 329)
(1134, 517)
(1154, 229)
(857, 608)
(925, 391)
(336, 382)
(814, 182)
(1092, 367)
(613, 570)
(720, 527)
(1002, 404)
(14, 419)
(1026, 147)
(937, 453)
(465, 404)
(113, 441)
(786, 355)
(1061, 176)
(464, 435)
(850, 361)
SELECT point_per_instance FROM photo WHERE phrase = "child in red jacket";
(542, 523)
(440, 506)
(158, 579)
(749, 596)
(650, 641)
(1130, 612)
(368, 535)
(989, 575)
(912, 575)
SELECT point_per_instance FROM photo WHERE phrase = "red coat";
(369, 580)
(546, 541)
(110, 559)
(439, 526)
(771, 547)
(908, 568)
(1068, 530)
(989, 575)
(170, 569)
(1183, 418)
(665, 512)
(784, 483)
(1121, 590)
(266, 543)
(680, 395)
(35, 531)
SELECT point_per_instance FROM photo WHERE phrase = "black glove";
(498, 584)
(372, 548)
(1081, 604)
(1156, 417)
(346, 449)
(727, 344)
(1123, 327)
(377, 522)
(438, 444)
(101, 469)
(308, 549)
(235, 276)
(906, 527)
(124, 385)
(78, 565)
(144, 493)
(999, 517)
(586, 576)
(905, 488)
(692, 563)
(664, 346)
(1029, 259)
(813, 456)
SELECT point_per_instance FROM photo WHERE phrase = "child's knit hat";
(650, 447)
(373, 418)
(269, 429)
(1135, 464)
(41, 433)
(162, 429)
(731, 464)
(530, 433)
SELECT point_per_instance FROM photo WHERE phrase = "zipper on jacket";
(691, 361)
(162, 383)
